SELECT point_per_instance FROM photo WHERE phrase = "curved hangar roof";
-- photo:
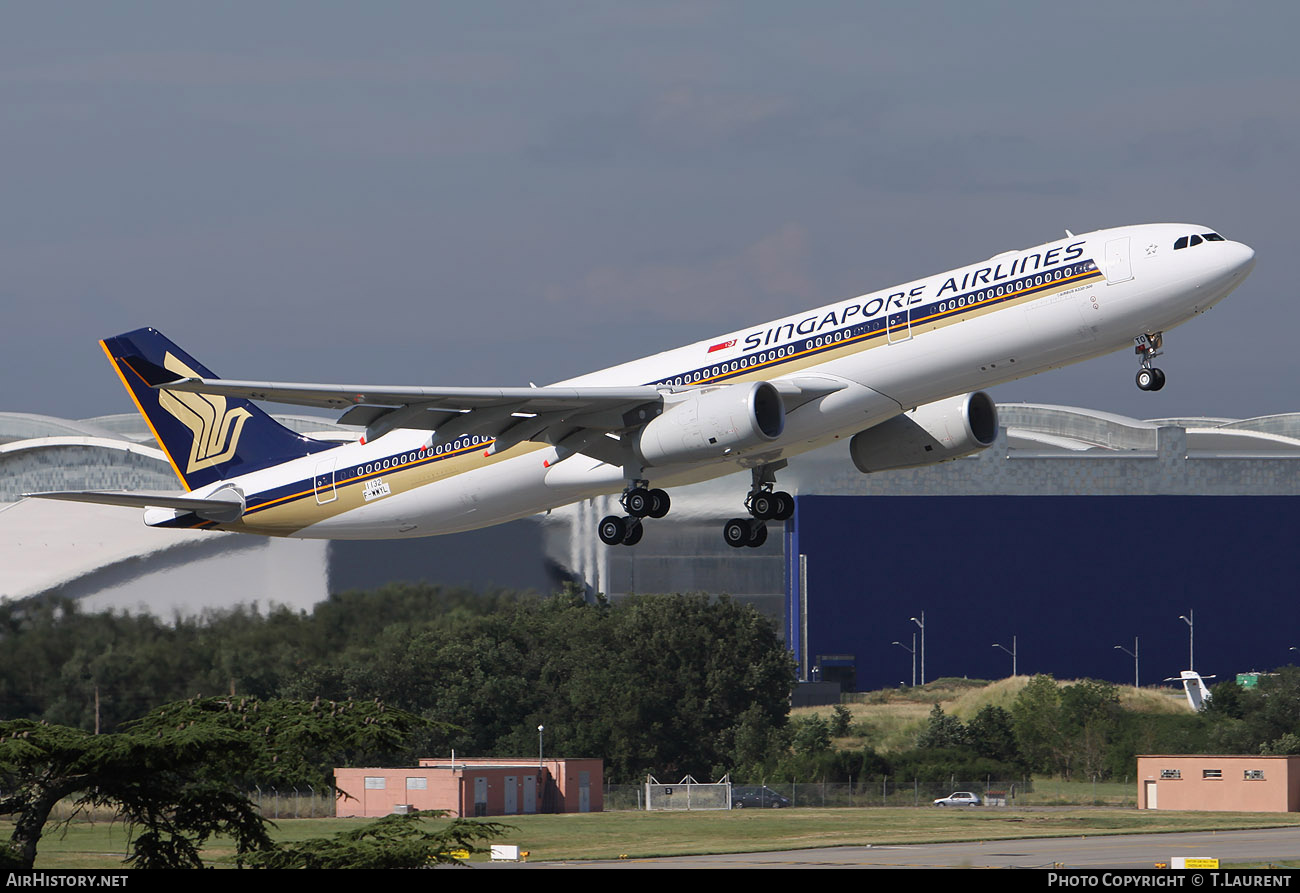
(1044, 428)
(77, 548)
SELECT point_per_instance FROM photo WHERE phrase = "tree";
(157, 781)
(1089, 716)
(811, 735)
(395, 841)
(841, 721)
(174, 775)
(1036, 717)
(942, 731)
(992, 734)
(655, 683)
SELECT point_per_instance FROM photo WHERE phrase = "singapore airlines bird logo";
(215, 430)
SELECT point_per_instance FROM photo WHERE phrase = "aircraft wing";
(577, 420)
(340, 396)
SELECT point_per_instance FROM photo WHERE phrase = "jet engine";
(713, 423)
(935, 432)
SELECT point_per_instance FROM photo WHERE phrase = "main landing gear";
(1149, 378)
(639, 502)
(764, 504)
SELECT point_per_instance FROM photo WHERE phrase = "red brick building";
(1219, 783)
(473, 787)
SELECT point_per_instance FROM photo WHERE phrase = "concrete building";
(470, 788)
(1219, 783)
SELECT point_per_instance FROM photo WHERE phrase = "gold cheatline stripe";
(846, 342)
(360, 477)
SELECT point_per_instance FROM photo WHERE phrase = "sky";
(509, 192)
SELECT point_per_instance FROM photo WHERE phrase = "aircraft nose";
(1241, 259)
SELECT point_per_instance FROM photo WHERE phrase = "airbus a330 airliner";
(896, 372)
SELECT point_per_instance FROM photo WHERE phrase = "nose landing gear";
(1147, 346)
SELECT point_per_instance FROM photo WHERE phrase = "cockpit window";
(1189, 241)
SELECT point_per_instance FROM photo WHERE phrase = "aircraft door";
(898, 325)
(1119, 267)
(324, 482)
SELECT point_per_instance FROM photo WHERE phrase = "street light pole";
(540, 764)
(1011, 652)
(1133, 654)
(911, 651)
(1191, 638)
(921, 623)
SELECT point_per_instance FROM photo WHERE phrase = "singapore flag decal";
(723, 345)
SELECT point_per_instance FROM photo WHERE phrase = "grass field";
(641, 834)
(889, 720)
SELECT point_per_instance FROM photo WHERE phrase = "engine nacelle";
(935, 432)
(713, 423)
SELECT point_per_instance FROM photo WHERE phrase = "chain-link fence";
(867, 792)
(293, 803)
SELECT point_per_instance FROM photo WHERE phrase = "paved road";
(1121, 851)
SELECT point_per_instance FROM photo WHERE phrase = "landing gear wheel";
(659, 503)
(638, 502)
(1147, 347)
(736, 532)
(785, 506)
(757, 534)
(635, 530)
(763, 506)
(612, 530)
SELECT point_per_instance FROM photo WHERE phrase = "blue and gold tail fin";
(207, 438)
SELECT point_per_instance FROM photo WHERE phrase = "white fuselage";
(1013, 315)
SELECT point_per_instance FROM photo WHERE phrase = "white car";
(960, 798)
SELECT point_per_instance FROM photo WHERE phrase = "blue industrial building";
(1075, 532)
(1069, 577)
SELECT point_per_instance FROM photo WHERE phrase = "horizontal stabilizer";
(224, 505)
